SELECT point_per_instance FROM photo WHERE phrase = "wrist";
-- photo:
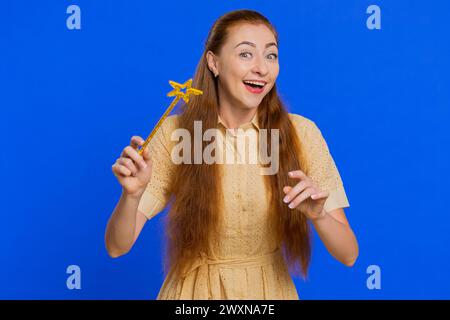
(320, 216)
(132, 196)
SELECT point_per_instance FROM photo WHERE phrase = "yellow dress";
(245, 263)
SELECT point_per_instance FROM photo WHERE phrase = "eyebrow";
(253, 45)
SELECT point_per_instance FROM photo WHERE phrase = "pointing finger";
(136, 141)
(135, 156)
(320, 195)
(301, 197)
(299, 174)
(299, 187)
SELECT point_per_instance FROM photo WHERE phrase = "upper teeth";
(255, 83)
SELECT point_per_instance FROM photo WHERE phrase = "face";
(247, 65)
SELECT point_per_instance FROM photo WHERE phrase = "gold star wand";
(178, 94)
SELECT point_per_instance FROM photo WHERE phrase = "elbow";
(351, 262)
(115, 252)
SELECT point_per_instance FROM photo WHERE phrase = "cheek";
(237, 67)
(234, 73)
(275, 71)
(240, 70)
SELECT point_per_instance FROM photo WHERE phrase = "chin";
(250, 104)
(253, 103)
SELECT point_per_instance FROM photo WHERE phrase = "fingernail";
(286, 199)
(291, 205)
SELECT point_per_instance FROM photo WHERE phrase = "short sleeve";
(321, 166)
(157, 192)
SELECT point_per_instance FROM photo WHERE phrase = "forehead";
(259, 34)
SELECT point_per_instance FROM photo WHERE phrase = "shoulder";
(308, 132)
(171, 122)
(303, 125)
(299, 119)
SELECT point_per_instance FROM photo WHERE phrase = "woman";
(232, 232)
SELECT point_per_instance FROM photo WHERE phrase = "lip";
(254, 90)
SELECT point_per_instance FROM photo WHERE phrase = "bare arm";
(337, 236)
(126, 222)
(124, 226)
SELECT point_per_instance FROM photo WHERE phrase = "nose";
(260, 67)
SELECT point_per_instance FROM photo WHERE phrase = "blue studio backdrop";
(373, 75)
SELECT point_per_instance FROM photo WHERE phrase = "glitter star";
(180, 94)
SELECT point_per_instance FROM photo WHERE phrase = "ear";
(212, 61)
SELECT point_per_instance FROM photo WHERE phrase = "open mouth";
(254, 86)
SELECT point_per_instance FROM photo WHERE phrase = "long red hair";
(194, 215)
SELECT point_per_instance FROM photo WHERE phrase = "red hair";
(194, 215)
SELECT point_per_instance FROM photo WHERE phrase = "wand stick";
(178, 95)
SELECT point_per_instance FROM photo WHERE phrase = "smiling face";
(247, 65)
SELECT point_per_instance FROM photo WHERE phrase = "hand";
(305, 196)
(134, 171)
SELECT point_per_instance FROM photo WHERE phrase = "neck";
(234, 117)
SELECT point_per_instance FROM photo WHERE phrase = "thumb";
(146, 154)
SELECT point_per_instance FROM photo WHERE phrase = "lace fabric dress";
(244, 260)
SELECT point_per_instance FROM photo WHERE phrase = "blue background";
(71, 99)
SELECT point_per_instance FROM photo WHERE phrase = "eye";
(245, 54)
(273, 56)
